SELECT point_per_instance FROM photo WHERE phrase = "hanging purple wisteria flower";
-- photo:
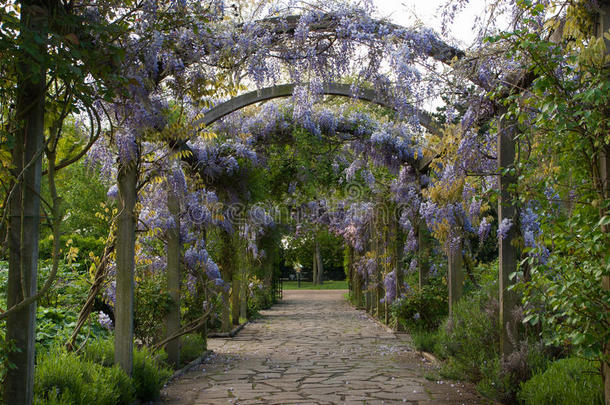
(504, 228)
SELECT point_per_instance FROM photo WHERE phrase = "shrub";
(470, 337)
(262, 298)
(470, 341)
(566, 381)
(424, 340)
(6, 347)
(193, 346)
(65, 378)
(152, 302)
(149, 373)
(422, 308)
(85, 245)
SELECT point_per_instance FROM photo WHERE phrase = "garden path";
(314, 348)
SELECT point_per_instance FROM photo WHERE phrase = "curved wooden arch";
(286, 90)
(334, 89)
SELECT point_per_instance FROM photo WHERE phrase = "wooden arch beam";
(334, 89)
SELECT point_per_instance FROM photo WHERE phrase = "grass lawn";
(308, 285)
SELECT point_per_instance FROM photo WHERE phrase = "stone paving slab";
(314, 348)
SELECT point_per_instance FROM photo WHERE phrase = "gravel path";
(314, 348)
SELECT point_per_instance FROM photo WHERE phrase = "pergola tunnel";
(194, 177)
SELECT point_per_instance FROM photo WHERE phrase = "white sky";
(408, 12)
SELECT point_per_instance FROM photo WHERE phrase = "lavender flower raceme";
(504, 228)
(104, 320)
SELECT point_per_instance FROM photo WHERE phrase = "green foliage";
(65, 378)
(299, 249)
(470, 338)
(469, 342)
(149, 372)
(563, 119)
(53, 324)
(152, 303)
(83, 199)
(56, 313)
(262, 298)
(425, 340)
(192, 346)
(6, 347)
(566, 382)
(420, 308)
(86, 245)
(564, 296)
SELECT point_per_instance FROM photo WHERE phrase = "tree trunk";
(24, 209)
(125, 266)
(172, 321)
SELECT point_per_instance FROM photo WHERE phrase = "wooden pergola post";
(24, 209)
(423, 248)
(455, 272)
(172, 321)
(508, 252)
(125, 265)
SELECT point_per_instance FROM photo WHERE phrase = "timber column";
(508, 254)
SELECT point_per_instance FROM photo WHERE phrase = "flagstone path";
(314, 348)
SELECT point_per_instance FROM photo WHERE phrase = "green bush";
(6, 347)
(152, 302)
(470, 339)
(422, 308)
(424, 340)
(566, 381)
(262, 298)
(85, 245)
(193, 346)
(149, 372)
(65, 378)
(100, 351)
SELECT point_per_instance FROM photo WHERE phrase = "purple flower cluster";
(389, 284)
(105, 321)
(504, 228)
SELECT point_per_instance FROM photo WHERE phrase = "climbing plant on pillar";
(43, 42)
(563, 136)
